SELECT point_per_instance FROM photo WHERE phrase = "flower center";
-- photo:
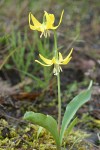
(57, 69)
(44, 31)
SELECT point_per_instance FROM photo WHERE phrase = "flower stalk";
(59, 101)
(58, 83)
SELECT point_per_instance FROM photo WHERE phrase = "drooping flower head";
(48, 23)
(56, 62)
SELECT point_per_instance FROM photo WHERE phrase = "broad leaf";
(71, 126)
(45, 121)
(72, 108)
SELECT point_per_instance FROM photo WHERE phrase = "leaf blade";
(71, 126)
(72, 107)
(45, 121)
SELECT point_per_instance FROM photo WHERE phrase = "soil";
(18, 95)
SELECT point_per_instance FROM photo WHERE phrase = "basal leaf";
(72, 108)
(45, 121)
(71, 126)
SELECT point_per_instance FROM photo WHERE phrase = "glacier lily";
(48, 23)
(56, 128)
(56, 62)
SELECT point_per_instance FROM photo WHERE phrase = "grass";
(18, 51)
(22, 54)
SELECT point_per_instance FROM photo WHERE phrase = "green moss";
(25, 137)
(76, 141)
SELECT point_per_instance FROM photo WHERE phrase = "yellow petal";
(59, 21)
(35, 21)
(60, 57)
(41, 63)
(66, 61)
(47, 61)
(68, 58)
(68, 55)
(36, 24)
(49, 20)
(54, 60)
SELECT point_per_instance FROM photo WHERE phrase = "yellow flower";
(48, 23)
(56, 62)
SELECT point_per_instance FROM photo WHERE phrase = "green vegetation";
(25, 137)
(19, 47)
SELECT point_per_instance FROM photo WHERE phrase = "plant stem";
(58, 84)
(58, 147)
(55, 45)
(59, 102)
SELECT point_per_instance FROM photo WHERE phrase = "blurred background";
(79, 29)
(24, 84)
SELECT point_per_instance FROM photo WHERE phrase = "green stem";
(55, 45)
(58, 84)
(58, 147)
(59, 102)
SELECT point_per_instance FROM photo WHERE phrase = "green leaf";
(39, 131)
(72, 108)
(71, 126)
(45, 121)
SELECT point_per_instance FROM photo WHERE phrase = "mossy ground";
(79, 29)
(24, 136)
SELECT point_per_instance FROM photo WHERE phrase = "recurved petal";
(32, 27)
(47, 61)
(41, 63)
(49, 20)
(59, 21)
(68, 58)
(66, 61)
(49, 17)
(60, 57)
(36, 23)
(69, 55)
